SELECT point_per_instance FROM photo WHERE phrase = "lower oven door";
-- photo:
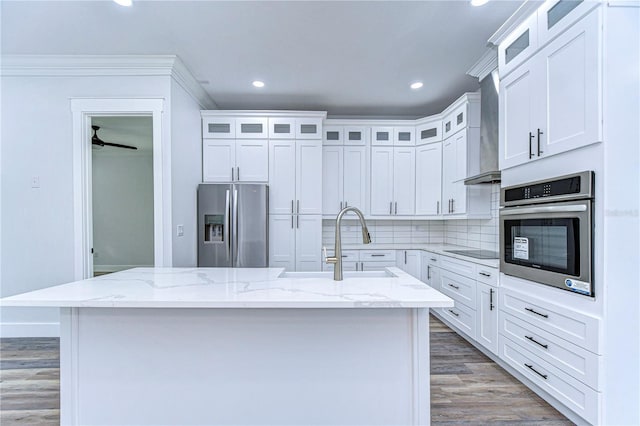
(549, 244)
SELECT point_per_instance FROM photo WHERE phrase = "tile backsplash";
(476, 233)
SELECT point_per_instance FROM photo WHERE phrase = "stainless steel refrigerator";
(233, 225)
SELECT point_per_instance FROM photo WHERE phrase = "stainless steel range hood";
(489, 172)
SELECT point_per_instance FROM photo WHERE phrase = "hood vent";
(489, 172)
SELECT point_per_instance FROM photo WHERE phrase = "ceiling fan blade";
(117, 145)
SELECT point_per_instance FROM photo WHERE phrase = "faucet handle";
(327, 259)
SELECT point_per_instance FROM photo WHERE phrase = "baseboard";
(30, 329)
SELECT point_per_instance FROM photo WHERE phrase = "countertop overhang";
(233, 288)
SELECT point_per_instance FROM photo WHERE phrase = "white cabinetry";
(308, 177)
(344, 178)
(429, 179)
(552, 103)
(430, 269)
(487, 316)
(252, 128)
(397, 136)
(461, 159)
(409, 261)
(230, 160)
(429, 130)
(392, 181)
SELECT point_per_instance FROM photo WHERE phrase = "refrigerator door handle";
(227, 224)
(235, 214)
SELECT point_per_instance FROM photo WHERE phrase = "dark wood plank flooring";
(467, 388)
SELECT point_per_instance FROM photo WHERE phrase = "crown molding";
(485, 65)
(106, 65)
(262, 113)
(519, 16)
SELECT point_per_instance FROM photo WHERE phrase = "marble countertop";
(433, 248)
(235, 288)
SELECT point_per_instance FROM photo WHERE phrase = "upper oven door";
(549, 244)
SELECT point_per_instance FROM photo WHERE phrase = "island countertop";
(235, 288)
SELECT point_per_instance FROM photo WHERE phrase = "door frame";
(83, 109)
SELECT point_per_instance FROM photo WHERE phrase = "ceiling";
(132, 130)
(350, 58)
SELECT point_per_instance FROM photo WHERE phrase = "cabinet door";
(308, 242)
(381, 180)
(518, 94)
(404, 136)
(487, 316)
(309, 177)
(355, 177)
(429, 132)
(404, 181)
(431, 275)
(382, 136)
(282, 128)
(354, 136)
(218, 160)
(251, 128)
(333, 135)
(282, 242)
(429, 179)
(332, 179)
(409, 261)
(218, 127)
(518, 46)
(252, 160)
(282, 176)
(448, 173)
(459, 189)
(376, 266)
(309, 128)
(572, 103)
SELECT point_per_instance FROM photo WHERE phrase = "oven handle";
(544, 209)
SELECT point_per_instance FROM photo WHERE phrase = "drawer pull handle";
(454, 286)
(344, 255)
(484, 274)
(530, 367)
(491, 306)
(537, 313)
(536, 342)
(378, 255)
(433, 259)
(454, 313)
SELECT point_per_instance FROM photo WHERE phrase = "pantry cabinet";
(429, 179)
(295, 242)
(552, 103)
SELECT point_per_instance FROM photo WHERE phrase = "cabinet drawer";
(432, 259)
(218, 128)
(462, 317)
(580, 398)
(571, 359)
(457, 266)
(460, 288)
(346, 266)
(575, 327)
(378, 256)
(487, 275)
(376, 266)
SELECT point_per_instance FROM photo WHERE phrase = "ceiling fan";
(95, 140)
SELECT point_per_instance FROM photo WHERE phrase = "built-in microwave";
(546, 232)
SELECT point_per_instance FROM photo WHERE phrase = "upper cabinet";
(552, 103)
(551, 19)
(225, 160)
(251, 128)
(396, 136)
(429, 130)
(218, 127)
(393, 174)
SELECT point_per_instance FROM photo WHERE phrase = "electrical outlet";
(180, 230)
(35, 181)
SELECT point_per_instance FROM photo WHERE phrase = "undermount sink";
(329, 274)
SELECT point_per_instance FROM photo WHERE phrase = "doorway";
(121, 193)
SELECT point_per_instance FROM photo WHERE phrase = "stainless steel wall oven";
(546, 232)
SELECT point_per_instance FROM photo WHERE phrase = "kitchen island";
(184, 346)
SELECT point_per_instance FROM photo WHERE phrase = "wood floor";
(467, 388)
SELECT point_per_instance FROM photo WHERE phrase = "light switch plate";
(180, 230)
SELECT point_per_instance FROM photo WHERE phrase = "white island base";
(149, 366)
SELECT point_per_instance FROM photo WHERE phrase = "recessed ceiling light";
(478, 2)
(258, 83)
(416, 85)
(124, 2)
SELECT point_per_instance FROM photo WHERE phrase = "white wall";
(37, 223)
(186, 172)
(122, 208)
